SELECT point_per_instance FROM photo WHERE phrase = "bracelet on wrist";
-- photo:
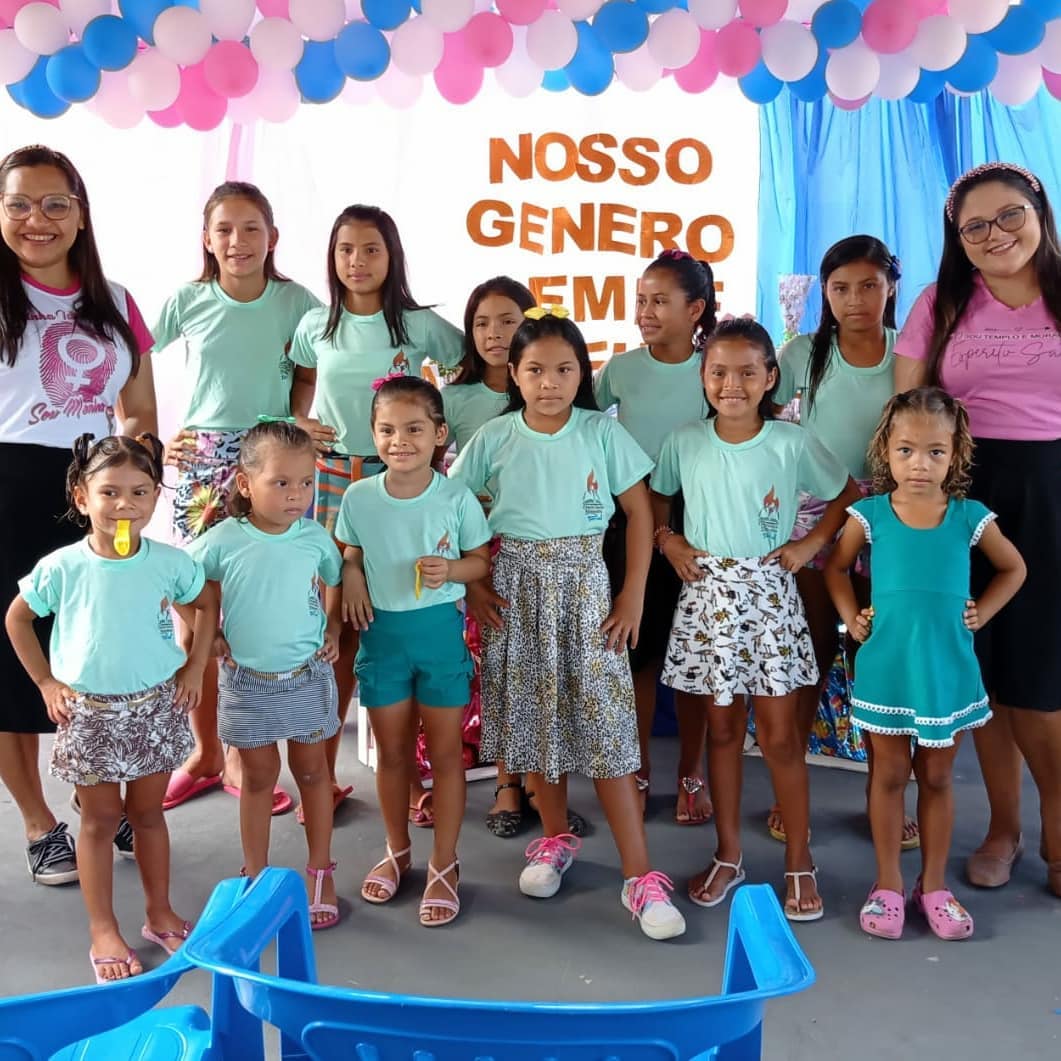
(661, 534)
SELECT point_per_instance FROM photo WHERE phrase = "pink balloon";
(521, 12)
(889, 26)
(763, 12)
(488, 39)
(847, 104)
(700, 74)
(924, 8)
(169, 118)
(738, 49)
(274, 8)
(230, 70)
(10, 8)
(1053, 83)
(458, 76)
(200, 106)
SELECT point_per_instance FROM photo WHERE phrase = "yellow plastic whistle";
(418, 586)
(121, 538)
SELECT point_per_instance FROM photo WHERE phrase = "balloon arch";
(196, 62)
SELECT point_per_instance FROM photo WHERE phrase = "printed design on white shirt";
(165, 619)
(770, 518)
(75, 369)
(591, 502)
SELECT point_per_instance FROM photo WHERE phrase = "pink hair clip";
(675, 255)
(988, 167)
(377, 383)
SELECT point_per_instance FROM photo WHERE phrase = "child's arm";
(675, 547)
(356, 606)
(624, 620)
(189, 678)
(796, 555)
(1010, 573)
(473, 566)
(333, 607)
(838, 581)
(19, 623)
(303, 387)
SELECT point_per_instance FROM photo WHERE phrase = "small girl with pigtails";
(118, 684)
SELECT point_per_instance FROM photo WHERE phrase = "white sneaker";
(647, 899)
(548, 860)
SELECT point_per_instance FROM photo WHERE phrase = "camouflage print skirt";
(740, 631)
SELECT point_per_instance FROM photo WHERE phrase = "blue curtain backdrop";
(884, 170)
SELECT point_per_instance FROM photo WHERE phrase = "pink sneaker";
(883, 913)
(947, 918)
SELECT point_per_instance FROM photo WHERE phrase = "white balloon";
(416, 49)
(713, 14)
(355, 91)
(802, 10)
(79, 13)
(181, 34)
(638, 69)
(228, 20)
(398, 89)
(552, 40)
(579, 9)
(852, 72)
(15, 60)
(41, 28)
(277, 95)
(320, 20)
(1050, 49)
(674, 38)
(940, 42)
(114, 103)
(1018, 79)
(154, 81)
(243, 110)
(898, 75)
(519, 75)
(276, 44)
(977, 16)
(789, 50)
(448, 15)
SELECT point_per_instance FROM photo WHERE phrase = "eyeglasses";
(53, 207)
(1010, 220)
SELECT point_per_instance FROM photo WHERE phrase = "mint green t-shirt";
(113, 630)
(361, 353)
(468, 406)
(273, 618)
(552, 486)
(394, 532)
(653, 398)
(235, 353)
(848, 404)
(741, 498)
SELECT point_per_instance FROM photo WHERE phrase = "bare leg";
(551, 803)
(691, 712)
(309, 765)
(1000, 764)
(1038, 735)
(20, 773)
(645, 681)
(344, 680)
(887, 785)
(507, 799)
(619, 798)
(934, 768)
(261, 768)
(442, 726)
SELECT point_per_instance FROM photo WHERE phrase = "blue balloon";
(318, 75)
(657, 7)
(141, 15)
(109, 42)
(70, 74)
(1020, 31)
(417, 6)
(362, 52)
(759, 85)
(811, 87)
(929, 86)
(591, 68)
(621, 25)
(33, 93)
(1045, 9)
(976, 69)
(555, 81)
(836, 23)
(385, 14)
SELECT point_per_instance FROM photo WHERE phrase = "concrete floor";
(997, 994)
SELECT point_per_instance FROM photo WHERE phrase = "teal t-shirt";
(468, 406)
(361, 353)
(235, 353)
(113, 630)
(848, 404)
(653, 398)
(393, 533)
(273, 618)
(741, 498)
(552, 486)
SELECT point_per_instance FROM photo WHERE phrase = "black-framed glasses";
(53, 207)
(1009, 220)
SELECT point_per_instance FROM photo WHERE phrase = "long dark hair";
(145, 453)
(252, 455)
(472, 366)
(845, 252)
(254, 195)
(954, 282)
(395, 296)
(548, 326)
(752, 332)
(94, 310)
(696, 280)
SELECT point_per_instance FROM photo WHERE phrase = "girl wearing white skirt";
(739, 629)
(557, 695)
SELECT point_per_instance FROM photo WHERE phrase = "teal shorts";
(418, 654)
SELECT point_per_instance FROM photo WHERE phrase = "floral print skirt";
(203, 483)
(554, 699)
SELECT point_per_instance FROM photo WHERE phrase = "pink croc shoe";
(883, 913)
(947, 918)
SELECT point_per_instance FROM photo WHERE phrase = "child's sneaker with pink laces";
(647, 899)
(548, 860)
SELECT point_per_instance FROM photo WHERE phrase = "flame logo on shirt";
(770, 518)
(771, 501)
(591, 502)
(400, 364)
(165, 619)
(443, 544)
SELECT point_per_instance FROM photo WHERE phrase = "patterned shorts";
(203, 483)
(740, 630)
(811, 510)
(121, 738)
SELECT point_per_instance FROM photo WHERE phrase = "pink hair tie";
(979, 171)
(377, 383)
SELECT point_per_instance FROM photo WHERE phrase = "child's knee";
(100, 821)
(780, 744)
(143, 818)
(447, 759)
(727, 728)
(935, 777)
(256, 777)
(392, 755)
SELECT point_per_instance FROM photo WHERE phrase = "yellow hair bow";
(535, 313)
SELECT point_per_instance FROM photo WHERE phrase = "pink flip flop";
(947, 918)
(338, 795)
(883, 913)
(163, 938)
(97, 962)
(183, 787)
(282, 802)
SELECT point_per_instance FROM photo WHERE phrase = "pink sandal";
(419, 815)
(883, 913)
(317, 907)
(947, 918)
(453, 906)
(162, 938)
(388, 885)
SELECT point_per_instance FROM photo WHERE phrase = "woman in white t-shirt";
(72, 359)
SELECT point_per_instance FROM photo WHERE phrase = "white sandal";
(803, 915)
(452, 906)
(716, 865)
(389, 885)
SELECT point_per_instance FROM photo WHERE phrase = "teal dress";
(917, 674)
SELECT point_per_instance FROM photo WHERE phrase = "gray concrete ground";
(998, 994)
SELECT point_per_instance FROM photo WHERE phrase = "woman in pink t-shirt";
(989, 331)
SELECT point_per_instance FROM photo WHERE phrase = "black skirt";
(32, 504)
(1019, 649)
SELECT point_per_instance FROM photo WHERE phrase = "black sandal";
(505, 824)
(576, 824)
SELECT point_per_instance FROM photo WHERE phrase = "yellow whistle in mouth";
(418, 586)
(121, 538)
